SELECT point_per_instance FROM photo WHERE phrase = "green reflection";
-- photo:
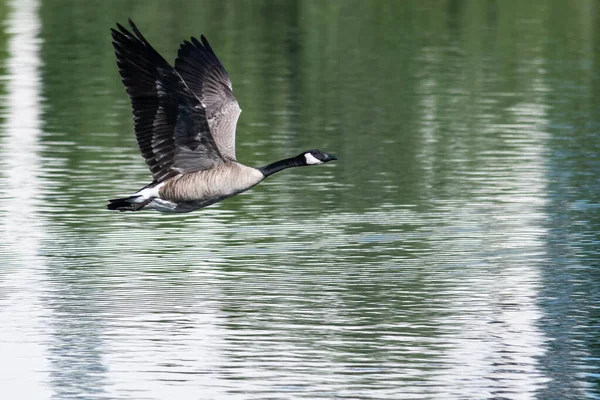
(465, 129)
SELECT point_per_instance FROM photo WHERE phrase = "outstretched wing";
(170, 122)
(205, 76)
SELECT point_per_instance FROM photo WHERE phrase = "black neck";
(280, 165)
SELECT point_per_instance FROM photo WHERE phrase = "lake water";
(452, 252)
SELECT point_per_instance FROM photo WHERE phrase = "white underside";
(161, 205)
(157, 203)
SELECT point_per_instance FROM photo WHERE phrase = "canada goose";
(184, 120)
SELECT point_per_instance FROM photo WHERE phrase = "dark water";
(452, 252)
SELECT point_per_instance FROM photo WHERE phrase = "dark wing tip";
(195, 42)
(122, 30)
(131, 24)
(185, 44)
(136, 31)
(206, 44)
(201, 44)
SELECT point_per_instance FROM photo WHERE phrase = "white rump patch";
(147, 193)
(312, 160)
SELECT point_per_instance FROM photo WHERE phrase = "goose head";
(310, 157)
(316, 157)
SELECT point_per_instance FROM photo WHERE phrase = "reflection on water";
(23, 332)
(449, 254)
(501, 248)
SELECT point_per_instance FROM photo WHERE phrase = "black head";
(315, 157)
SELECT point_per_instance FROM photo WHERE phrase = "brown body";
(221, 182)
(195, 190)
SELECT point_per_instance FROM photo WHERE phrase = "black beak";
(329, 157)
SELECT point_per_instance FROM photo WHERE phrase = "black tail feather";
(125, 204)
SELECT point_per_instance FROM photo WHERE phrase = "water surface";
(451, 252)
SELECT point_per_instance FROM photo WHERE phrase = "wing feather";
(170, 124)
(204, 74)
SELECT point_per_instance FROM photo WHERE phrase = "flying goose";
(185, 120)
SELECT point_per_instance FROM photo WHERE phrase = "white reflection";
(495, 241)
(23, 367)
(165, 331)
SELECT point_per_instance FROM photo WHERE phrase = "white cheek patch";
(311, 160)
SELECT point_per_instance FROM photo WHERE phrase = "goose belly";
(166, 206)
(202, 188)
